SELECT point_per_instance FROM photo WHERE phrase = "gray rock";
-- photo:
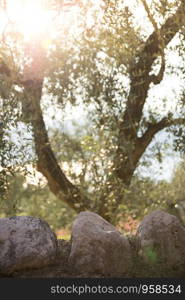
(98, 248)
(162, 243)
(25, 242)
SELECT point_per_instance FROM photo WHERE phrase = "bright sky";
(30, 17)
(33, 17)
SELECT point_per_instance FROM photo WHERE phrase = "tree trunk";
(47, 163)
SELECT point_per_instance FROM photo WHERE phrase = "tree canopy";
(110, 59)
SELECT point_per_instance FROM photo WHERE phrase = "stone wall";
(29, 248)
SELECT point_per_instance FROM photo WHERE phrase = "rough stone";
(25, 242)
(97, 247)
(162, 243)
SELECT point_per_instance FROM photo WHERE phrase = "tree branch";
(128, 152)
(143, 142)
(4, 70)
(129, 161)
(139, 73)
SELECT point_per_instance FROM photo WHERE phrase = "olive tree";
(110, 61)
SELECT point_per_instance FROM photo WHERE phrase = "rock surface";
(25, 242)
(97, 247)
(162, 243)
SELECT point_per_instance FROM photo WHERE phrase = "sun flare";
(29, 17)
(36, 19)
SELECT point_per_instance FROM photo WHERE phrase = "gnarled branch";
(139, 74)
(47, 163)
(143, 142)
(139, 87)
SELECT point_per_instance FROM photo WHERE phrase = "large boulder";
(98, 248)
(25, 242)
(162, 244)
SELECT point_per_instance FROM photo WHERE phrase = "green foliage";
(94, 68)
(24, 198)
(142, 197)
